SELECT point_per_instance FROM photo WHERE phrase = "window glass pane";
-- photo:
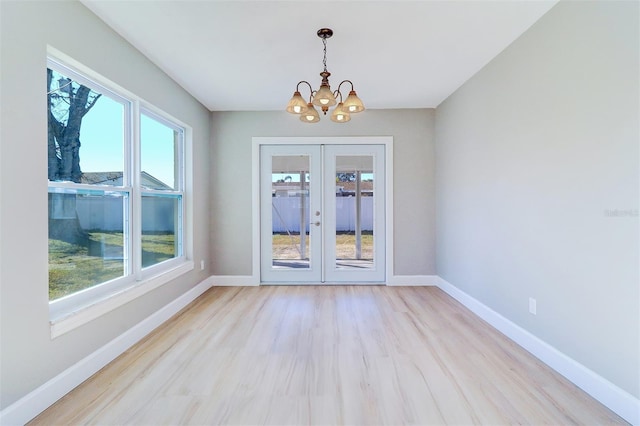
(159, 157)
(87, 239)
(161, 228)
(85, 133)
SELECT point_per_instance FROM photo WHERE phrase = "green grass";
(156, 248)
(74, 267)
(286, 246)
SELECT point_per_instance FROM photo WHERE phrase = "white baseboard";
(235, 281)
(32, 404)
(251, 281)
(610, 395)
(413, 280)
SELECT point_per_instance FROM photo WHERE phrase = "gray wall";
(414, 190)
(29, 356)
(537, 185)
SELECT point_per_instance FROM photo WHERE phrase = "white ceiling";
(249, 55)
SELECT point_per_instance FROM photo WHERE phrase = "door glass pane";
(290, 212)
(354, 212)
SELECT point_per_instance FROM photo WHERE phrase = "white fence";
(106, 213)
(286, 214)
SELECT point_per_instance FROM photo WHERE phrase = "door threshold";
(349, 283)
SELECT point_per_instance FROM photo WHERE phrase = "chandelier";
(324, 97)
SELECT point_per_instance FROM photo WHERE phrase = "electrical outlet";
(533, 308)
(202, 265)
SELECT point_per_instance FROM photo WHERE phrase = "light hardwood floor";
(326, 355)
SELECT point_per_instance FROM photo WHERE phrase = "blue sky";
(101, 136)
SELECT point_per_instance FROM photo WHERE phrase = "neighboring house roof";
(147, 181)
(150, 182)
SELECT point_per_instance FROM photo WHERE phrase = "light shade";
(296, 105)
(324, 97)
(339, 115)
(353, 103)
(310, 115)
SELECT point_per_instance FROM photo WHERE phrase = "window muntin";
(124, 218)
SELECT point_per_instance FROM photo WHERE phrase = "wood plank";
(326, 355)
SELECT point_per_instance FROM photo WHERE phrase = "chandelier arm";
(310, 88)
(338, 92)
(344, 81)
(306, 82)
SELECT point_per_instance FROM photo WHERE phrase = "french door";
(322, 214)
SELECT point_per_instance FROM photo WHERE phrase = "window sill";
(80, 315)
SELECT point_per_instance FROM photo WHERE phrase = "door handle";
(317, 223)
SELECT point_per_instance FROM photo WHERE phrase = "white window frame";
(76, 309)
(145, 272)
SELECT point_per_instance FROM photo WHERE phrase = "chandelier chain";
(324, 60)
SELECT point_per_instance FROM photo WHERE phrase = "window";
(161, 188)
(116, 190)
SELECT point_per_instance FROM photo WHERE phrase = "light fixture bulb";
(324, 97)
(339, 115)
(353, 104)
(296, 105)
(310, 115)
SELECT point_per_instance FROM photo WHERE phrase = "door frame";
(256, 142)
